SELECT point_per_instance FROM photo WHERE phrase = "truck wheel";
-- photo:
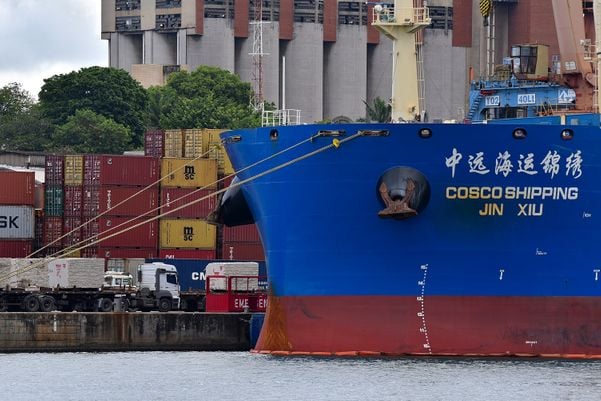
(46, 303)
(105, 305)
(31, 303)
(3, 304)
(164, 305)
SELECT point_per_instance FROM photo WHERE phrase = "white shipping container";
(76, 272)
(228, 269)
(16, 222)
(66, 273)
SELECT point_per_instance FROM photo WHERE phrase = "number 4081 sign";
(527, 98)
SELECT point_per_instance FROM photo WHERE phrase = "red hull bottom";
(567, 327)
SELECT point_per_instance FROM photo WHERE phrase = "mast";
(401, 24)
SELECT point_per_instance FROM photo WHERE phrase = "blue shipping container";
(192, 271)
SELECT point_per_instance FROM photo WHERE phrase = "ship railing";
(272, 118)
(407, 16)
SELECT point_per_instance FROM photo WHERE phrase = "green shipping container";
(53, 201)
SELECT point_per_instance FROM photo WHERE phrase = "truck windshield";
(172, 278)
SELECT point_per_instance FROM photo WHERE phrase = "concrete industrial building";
(334, 59)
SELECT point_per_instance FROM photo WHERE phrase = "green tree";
(379, 111)
(89, 132)
(206, 98)
(110, 92)
(30, 131)
(14, 101)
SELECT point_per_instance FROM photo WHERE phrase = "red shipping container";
(15, 248)
(242, 251)
(109, 252)
(73, 200)
(108, 199)
(89, 252)
(18, 187)
(201, 254)
(53, 230)
(54, 170)
(121, 170)
(154, 143)
(172, 198)
(143, 236)
(245, 233)
(72, 230)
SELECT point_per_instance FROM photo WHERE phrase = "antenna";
(257, 100)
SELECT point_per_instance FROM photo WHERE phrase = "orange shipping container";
(189, 173)
(193, 143)
(186, 233)
(73, 169)
(17, 187)
(173, 143)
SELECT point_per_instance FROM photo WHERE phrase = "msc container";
(173, 198)
(193, 143)
(17, 222)
(173, 143)
(117, 200)
(154, 141)
(242, 251)
(74, 170)
(17, 187)
(245, 233)
(71, 230)
(72, 200)
(53, 200)
(143, 236)
(20, 248)
(53, 230)
(187, 233)
(189, 173)
(120, 170)
(54, 170)
(200, 254)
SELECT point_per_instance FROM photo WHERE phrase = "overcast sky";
(41, 38)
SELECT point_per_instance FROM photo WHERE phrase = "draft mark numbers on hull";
(423, 329)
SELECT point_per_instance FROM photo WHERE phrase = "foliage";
(109, 92)
(30, 131)
(206, 98)
(89, 132)
(14, 101)
(379, 111)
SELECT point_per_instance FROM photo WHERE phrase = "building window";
(126, 5)
(168, 3)
(168, 21)
(442, 17)
(127, 24)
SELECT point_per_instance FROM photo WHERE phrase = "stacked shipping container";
(17, 219)
(54, 182)
(189, 180)
(120, 193)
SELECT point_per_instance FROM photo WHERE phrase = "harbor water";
(222, 376)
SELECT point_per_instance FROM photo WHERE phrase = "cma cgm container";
(154, 142)
(17, 222)
(192, 274)
(173, 198)
(18, 187)
(187, 233)
(54, 170)
(120, 170)
(120, 200)
(143, 236)
(189, 173)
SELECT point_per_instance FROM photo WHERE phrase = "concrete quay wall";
(123, 331)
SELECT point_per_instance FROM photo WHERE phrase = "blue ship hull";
(495, 252)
